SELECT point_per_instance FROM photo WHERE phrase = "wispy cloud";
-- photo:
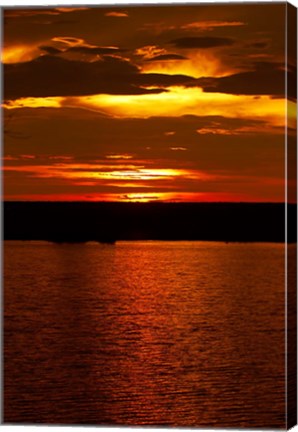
(117, 14)
(30, 12)
(202, 42)
(210, 25)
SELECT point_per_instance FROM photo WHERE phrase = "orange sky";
(171, 103)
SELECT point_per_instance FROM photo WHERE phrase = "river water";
(144, 333)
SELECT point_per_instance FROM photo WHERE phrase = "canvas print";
(149, 172)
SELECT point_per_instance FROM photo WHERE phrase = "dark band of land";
(110, 222)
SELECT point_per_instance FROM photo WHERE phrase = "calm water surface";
(144, 333)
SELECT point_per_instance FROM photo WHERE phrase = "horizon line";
(147, 202)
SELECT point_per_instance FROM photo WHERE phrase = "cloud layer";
(55, 76)
(144, 103)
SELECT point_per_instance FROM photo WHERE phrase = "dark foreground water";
(144, 333)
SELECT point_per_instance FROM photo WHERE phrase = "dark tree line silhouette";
(109, 222)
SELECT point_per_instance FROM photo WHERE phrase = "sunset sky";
(170, 103)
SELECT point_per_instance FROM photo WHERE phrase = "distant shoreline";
(117, 242)
(109, 222)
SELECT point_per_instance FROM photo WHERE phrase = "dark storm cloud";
(202, 42)
(164, 80)
(257, 45)
(63, 131)
(292, 82)
(164, 57)
(50, 50)
(54, 76)
(82, 49)
(265, 79)
(94, 50)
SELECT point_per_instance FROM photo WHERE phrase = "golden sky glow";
(181, 101)
(176, 102)
(49, 102)
(146, 103)
(96, 172)
(199, 64)
(18, 53)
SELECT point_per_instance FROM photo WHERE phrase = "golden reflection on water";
(144, 333)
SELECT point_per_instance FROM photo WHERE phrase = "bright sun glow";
(180, 101)
(105, 172)
(176, 102)
(197, 65)
(31, 102)
(19, 53)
